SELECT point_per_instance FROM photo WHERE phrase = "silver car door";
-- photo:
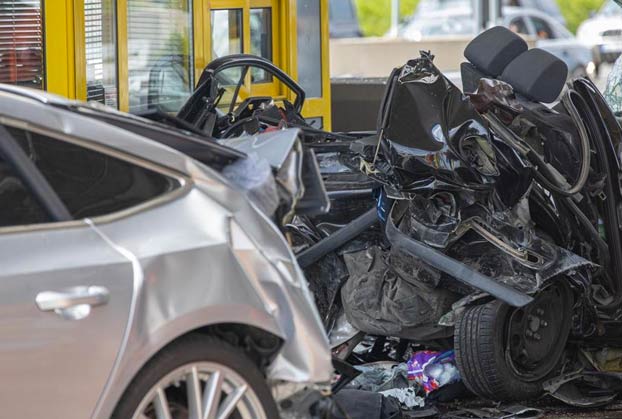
(65, 291)
(65, 296)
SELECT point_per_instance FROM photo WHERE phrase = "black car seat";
(537, 75)
(499, 53)
(488, 55)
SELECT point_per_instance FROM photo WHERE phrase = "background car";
(549, 7)
(551, 35)
(138, 282)
(603, 33)
(343, 19)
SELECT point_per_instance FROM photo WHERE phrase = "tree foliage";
(576, 11)
(375, 15)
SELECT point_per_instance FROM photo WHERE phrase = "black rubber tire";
(195, 348)
(479, 342)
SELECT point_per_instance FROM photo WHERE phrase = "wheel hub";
(201, 389)
(536, 332)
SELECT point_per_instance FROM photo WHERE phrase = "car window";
(542, 28)
(88, 182)
(518, 25)
(18, 206)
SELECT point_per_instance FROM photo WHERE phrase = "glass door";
(246, 27)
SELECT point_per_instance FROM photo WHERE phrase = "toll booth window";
(261, 41)
(100, 51)
(309, 47)
(21, 43)
(226, 32)
(160, 57)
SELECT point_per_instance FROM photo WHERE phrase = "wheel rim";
(201, 390)
(537, 333)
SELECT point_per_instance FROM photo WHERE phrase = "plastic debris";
(406, 396)
(380, 376)
(254, 176)
(433, 370)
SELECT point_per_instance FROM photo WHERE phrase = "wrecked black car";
(487, 221)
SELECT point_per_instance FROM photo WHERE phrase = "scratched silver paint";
(205, 257)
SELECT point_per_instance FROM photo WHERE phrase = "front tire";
(505, 353)
(196, 374)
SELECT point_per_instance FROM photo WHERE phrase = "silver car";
(137, 282)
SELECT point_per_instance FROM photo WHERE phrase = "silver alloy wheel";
(213, 391)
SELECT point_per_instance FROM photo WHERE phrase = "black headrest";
(537, 75)
(492, 50)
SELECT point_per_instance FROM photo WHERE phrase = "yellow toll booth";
(109, 50)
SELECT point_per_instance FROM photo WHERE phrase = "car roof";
(45, 110)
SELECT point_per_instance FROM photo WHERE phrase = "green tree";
(375, 15)
(576, 11)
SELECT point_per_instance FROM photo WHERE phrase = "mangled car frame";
(489, 221)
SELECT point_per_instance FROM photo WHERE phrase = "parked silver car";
(137, 282)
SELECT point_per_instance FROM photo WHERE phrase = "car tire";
(188, 351)
(479, 342)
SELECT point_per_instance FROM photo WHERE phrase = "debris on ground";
(360, 404)
(433, 370)
(406, 396)
(585, 388)
(509, 412)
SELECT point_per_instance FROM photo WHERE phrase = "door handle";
(72, 297)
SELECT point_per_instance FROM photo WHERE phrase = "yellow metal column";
(288, 38)
(200, 36)
(122, 59)
(326, 94)
(60, 53)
